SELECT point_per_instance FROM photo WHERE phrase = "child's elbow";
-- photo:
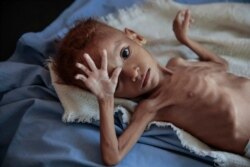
(225, 64)
(111, 160)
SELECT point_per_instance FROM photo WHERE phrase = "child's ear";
(135, 37)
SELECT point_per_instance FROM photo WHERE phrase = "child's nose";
(135, 74)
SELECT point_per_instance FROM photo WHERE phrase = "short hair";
(78, 40)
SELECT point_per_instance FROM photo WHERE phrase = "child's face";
(140, 72)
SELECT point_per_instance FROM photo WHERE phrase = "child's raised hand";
(181, 24)
(98, 80)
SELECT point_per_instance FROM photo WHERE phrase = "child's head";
(124, 50)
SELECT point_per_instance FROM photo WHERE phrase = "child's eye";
(125, 53)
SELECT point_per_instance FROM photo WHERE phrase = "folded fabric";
(80, 105)
(223, 28)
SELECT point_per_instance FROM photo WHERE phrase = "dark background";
(20, 16)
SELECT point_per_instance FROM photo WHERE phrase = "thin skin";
(200, 97)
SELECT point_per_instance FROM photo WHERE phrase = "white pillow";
(82, 106)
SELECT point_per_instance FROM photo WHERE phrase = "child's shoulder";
(176, 61)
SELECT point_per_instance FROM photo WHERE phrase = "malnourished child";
(201, 97)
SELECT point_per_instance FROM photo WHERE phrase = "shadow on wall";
(21, 16)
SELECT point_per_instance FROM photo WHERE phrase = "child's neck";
(166, 73)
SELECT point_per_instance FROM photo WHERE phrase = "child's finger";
(187, 17)
(115, 75)
(90, 62)
(191, 20)
(81, 77)
(83, 68)
(178, 17)
(104, 64)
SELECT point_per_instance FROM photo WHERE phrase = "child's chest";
(194, 88)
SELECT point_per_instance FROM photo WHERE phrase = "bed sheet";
(31, 130)
(210, 1)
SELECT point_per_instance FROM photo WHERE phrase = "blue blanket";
(31, 130)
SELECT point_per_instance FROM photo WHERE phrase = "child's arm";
(98, 81)
(180, 28)
(113, 149)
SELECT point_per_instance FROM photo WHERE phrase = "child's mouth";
(145, 79)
